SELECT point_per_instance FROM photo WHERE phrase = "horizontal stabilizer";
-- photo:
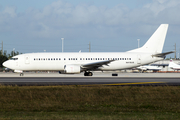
(163, 54)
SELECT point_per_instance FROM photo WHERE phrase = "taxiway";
(97, 79)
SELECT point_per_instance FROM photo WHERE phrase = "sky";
(29, 26)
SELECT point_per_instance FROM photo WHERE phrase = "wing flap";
(95, 65)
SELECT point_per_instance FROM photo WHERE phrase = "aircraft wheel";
(85, 74)
(114, 74)
(21, 74)
(90, 74)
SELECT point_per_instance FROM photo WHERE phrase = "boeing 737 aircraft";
(74, 63)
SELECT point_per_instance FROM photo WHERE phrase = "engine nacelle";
(72, 69)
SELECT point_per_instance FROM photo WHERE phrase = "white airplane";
(173, 65)
(74, 63)
(148, 67)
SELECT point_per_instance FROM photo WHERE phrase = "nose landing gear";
(21, 74)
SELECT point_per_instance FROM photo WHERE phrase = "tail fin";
(172, 64)
(156, 41)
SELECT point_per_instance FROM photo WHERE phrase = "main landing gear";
(88, 74)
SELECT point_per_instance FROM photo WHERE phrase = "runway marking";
(116, 84)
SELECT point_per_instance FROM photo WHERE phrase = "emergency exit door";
(138, 59)
(27, 60)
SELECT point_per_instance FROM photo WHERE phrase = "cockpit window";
(14, 59)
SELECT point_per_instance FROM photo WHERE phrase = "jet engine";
(72, 69)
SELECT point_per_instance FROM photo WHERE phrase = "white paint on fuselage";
(40, 61)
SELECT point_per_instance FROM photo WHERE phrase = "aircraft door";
(27, 59)
(138, 59)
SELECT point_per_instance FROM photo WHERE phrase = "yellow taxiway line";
(116, 84)
(134, 83)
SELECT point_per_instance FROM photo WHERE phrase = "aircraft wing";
(163, 54)
(95, 65)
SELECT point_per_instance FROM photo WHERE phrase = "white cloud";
(11, 11)
(88, 21)
(158, 6)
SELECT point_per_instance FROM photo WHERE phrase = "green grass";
(98, 102)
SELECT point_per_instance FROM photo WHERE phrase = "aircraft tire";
(21, 74)
(88, 74)
(114, 74)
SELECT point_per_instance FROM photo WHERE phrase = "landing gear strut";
(88, 74)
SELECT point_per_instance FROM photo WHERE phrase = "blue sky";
(110, 26)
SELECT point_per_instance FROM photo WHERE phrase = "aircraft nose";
(5, 64)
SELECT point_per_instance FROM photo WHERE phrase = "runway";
(103, 79)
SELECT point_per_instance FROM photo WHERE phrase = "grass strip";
(98, 102)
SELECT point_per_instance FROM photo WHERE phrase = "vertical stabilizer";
(173, 65)
(156, 41)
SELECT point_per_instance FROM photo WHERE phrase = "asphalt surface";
(89, 81)
(123, 79)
